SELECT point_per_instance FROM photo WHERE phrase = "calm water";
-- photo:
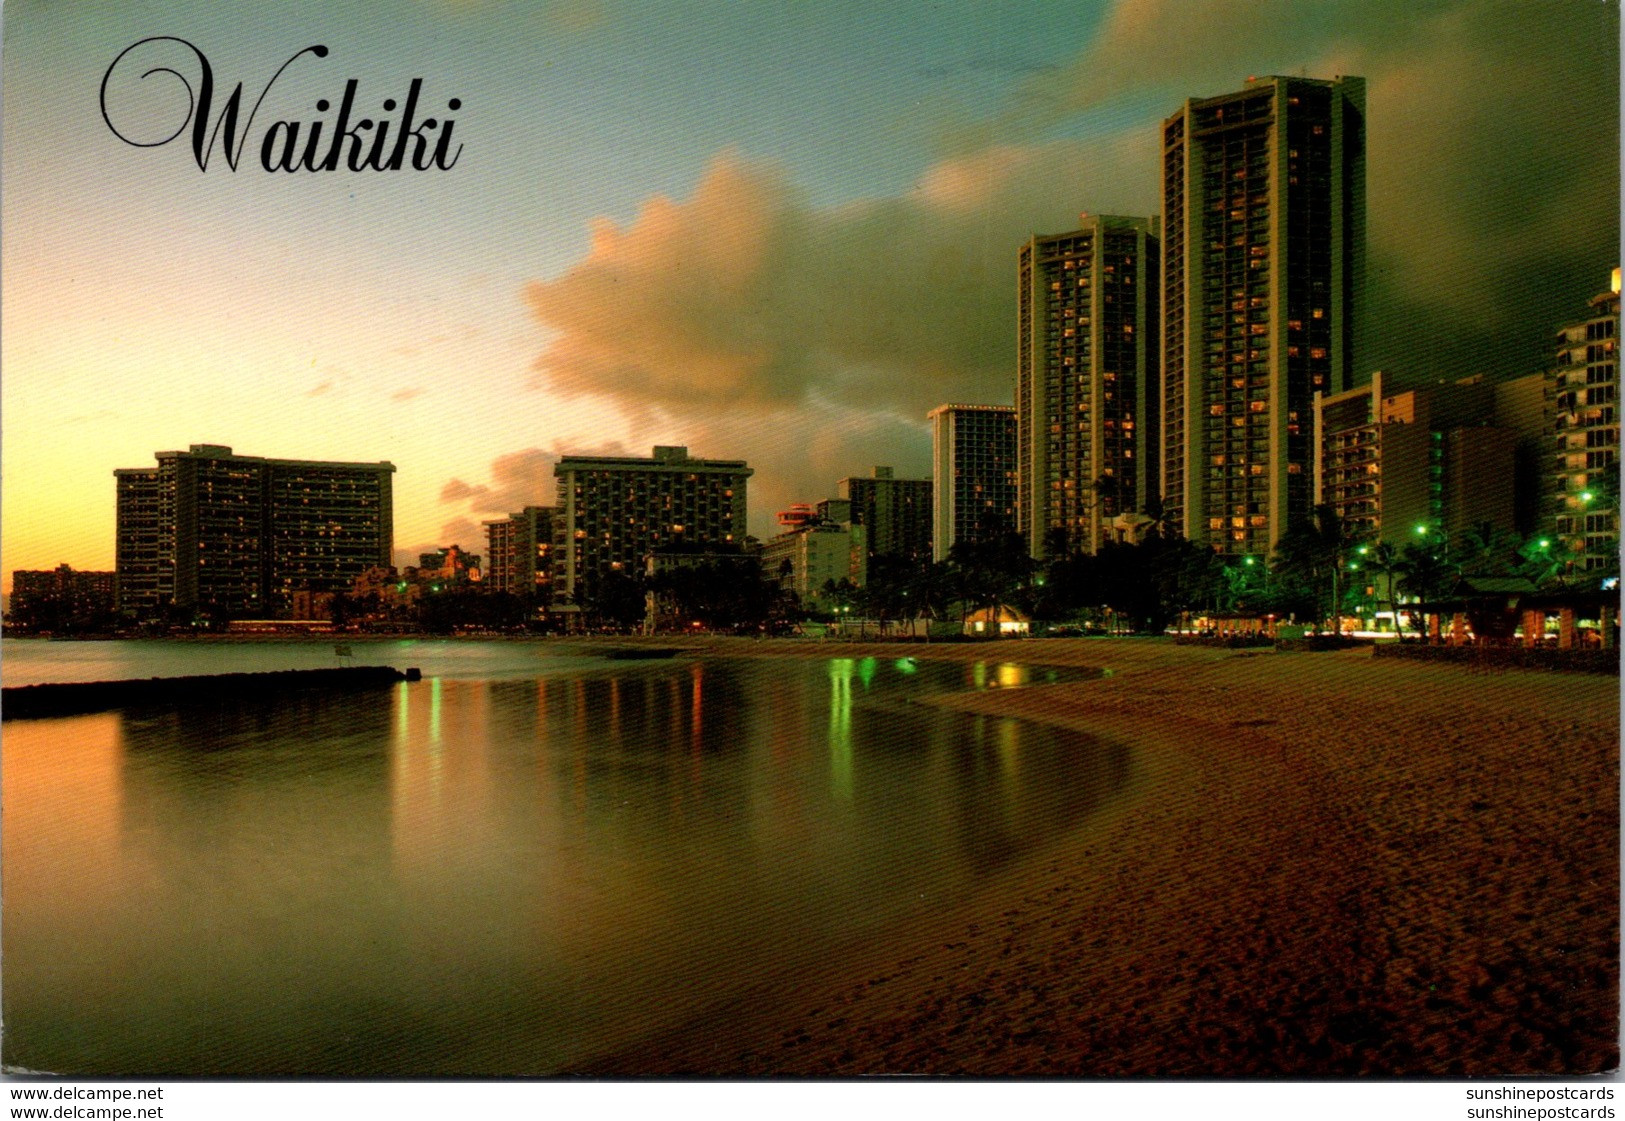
(510, 866)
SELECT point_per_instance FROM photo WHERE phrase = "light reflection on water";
(469, 876)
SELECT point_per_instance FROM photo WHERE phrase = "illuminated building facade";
(519, 552)
(240, 535)
(1263, 275)
(973, 466)
(1086, 380)
(895, 513)
(613, 511)
(1583, 500)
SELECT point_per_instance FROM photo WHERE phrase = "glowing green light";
(1544, 543)
(1422, 529)
(1363, 550)
(1585, 496)
(1248, 561)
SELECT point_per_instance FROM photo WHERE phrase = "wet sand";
(1329, 865)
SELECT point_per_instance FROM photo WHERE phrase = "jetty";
(25, 702)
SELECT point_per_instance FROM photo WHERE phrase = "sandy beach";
(1329, 864)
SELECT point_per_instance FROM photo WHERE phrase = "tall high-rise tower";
(1086, 381)
(1263, 202)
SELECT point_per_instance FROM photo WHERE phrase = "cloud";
(463, 532)
(456, 490)
(746, 297)
(324, 387)
(406, 394)
(1492, 172)
(518, 479)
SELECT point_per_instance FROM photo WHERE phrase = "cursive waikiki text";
(351, 141)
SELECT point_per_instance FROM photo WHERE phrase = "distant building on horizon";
(895, 513)
(207, 529)
(453, 564)
(613, 511)
(1583, 469)
(1263, 219)
(973, 468)
(1087, 384)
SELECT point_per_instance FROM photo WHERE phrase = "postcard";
(623, 538)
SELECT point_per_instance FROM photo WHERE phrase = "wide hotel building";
(1264, 261)
(973, 475)
(239, 535)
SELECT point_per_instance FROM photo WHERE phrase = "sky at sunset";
(772, 231)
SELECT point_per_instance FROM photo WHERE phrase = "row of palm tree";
(1318, 555)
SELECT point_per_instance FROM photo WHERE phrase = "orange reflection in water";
(61, 802)
(440, 781)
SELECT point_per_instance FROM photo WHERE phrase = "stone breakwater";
(1330, 865)
(34, 701)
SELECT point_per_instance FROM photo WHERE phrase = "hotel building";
(612, 511)
(1583, 468)
(895, 513)
(807, 557)
(1086, 380)
(973, 466)
(1264, 259)
(240, 535)
(1441, 458)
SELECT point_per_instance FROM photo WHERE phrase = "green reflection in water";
(906, 665)
(866, 672)
(840, 726)
(1009, 757)
(978, 675)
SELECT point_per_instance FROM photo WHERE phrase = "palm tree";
(930, 592)
(1424, 573)
(1487, 550)
(1384, 558)
(1313, 551)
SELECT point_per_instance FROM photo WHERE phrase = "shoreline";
(1333, 865)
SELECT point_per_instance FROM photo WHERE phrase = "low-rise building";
(60, 598)
(613, 511)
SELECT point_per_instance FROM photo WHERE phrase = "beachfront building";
(1583, 472)
(1263, 219)
(810, 557)
(613, 511)
(973, 475)
(1440, 459)
(519, 552)
(1086, 380)
(237, 535)
(894, 513)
